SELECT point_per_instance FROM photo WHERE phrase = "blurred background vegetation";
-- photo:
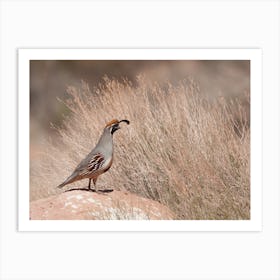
(49, 80)
(188, 147)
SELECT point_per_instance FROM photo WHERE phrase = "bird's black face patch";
(114, 128)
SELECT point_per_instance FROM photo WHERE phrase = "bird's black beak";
(115, 128)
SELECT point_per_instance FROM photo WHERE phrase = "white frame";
(254, 55)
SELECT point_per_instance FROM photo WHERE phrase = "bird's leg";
(95, 187)
(89, 184)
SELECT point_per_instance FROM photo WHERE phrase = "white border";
(254, 55)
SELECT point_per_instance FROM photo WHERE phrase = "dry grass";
(189, 153)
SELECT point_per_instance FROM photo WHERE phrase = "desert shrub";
(190, 153)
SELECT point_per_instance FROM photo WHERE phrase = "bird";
(99, 160)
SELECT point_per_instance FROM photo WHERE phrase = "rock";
(85, 205)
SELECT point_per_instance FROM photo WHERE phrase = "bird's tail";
(61, 185)
(72, 178)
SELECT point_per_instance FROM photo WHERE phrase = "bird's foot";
(100, 192)
(105, 191)
(78, 189)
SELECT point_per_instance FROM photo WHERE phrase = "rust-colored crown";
(114, 121)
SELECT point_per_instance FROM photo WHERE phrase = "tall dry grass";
(187, 152)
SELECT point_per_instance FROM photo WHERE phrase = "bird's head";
(114, 125)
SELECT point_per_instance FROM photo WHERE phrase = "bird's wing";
(92, 164)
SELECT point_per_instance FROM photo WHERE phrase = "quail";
(99, 160)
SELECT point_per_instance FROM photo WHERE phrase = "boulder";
(86, 205)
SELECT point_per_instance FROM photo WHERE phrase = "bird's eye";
(114, 128)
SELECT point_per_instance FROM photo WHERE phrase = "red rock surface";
(84, 205)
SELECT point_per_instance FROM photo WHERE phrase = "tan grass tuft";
(182, 150)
